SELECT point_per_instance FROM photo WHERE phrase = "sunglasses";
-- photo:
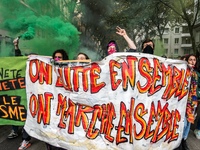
(57, 57)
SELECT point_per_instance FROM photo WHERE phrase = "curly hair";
(63, 52)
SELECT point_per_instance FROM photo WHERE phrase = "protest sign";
(126, 101)
(12, 91)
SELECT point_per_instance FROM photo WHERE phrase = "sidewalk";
(193, 142)
(13, 144)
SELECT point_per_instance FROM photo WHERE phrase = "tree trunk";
(194, 49)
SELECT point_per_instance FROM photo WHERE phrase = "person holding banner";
(191, 102)
(58, 55)
(82, 56)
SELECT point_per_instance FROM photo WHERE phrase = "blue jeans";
(15, 128)
(186, 128)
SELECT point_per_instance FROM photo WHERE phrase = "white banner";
(126, 101)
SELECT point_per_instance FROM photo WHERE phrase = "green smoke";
(41, 26)
(29, 34)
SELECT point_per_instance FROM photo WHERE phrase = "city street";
(13, 144)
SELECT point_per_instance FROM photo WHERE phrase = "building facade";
(177, 41)
(197, 30)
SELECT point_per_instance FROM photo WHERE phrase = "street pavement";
(13, 144)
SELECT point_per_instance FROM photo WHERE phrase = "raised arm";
(16, 44)
(123, 33)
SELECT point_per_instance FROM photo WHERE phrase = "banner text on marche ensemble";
(174, 81)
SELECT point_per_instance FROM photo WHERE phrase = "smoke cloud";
(40, 32)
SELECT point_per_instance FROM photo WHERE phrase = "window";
(185, 30)
(166, 31)
(176, 30)
(176, 40)
(186, 40)
(175, 51)
(166, 41)
(186, 51)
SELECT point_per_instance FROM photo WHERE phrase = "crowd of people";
(148, 47)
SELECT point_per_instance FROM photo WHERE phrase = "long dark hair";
(147, 41)
(187, 58)
(63, 52)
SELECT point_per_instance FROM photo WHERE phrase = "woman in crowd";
(191, 102)
(82, 56)
(58, 55)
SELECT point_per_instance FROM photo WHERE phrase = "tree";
(188, 11)
(144, 19)
(93, 26)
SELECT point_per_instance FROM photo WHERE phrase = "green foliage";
(159, 49)
(188, 12)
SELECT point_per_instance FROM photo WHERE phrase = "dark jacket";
(18, 52)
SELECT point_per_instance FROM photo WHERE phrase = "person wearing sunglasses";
(60, 54)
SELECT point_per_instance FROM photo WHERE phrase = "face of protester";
(148, 48)
(81, 57)
(111, 49)
(148, 43)
(192, 61)
(58, 56)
